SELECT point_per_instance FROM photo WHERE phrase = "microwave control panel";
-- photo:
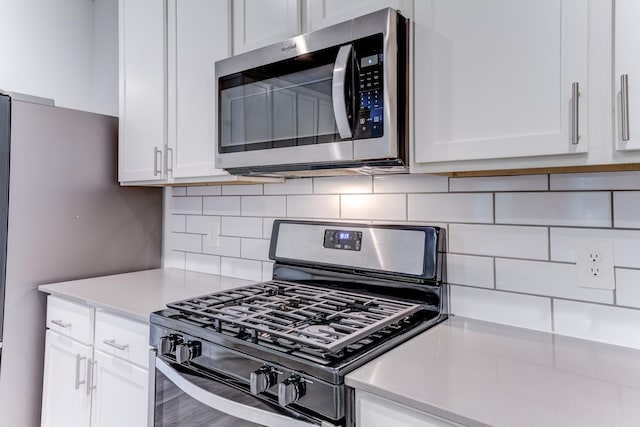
(369, 93)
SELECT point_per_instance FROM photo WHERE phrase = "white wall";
(510, 239)
(61, 49)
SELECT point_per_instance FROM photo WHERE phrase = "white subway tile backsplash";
(186, 205)
(291, 186)
(343, 185)
(410, 184)
(582, 209)
(500, 183)
(626, 209)
(263, 206)
(449, 207)
(470, 270)
(178, 191)
(596, 181)
(391, 207)
(203, 263)
(179, 223)
(204, 190)
(545, 278)
(202, 224)
(227, 246)
(626, 244)
(242, 190)
(254, 249)
(185, 242)
(613, 325)
(241, 268)
(524, 311)
(514, 265)
(499, 240)
(241, 226)
(221, 205)
(313, 206)
(628, 287)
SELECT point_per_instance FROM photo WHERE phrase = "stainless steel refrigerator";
(63, 216)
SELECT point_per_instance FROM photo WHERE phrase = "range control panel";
(343, 239)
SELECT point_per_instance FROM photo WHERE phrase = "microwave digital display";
(368, 61)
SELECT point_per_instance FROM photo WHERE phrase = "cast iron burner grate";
(294, 315)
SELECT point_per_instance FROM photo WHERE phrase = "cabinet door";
(372, 411)
(497, 81)
(65, 401)
(322, 13)
(258, 23)
(627, 64)
(198, 36)
(120, 392)
(143, 89)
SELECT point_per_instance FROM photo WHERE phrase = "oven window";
(284, 104)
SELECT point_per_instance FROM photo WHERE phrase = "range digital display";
(343, 239)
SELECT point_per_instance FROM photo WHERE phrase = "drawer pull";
(79, 359)
(61, 323)
(114, 344)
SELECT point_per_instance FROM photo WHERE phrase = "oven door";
(185, 398)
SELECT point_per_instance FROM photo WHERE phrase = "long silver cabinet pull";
(91, 383)
(61, 323)
(114, 344)
(337, 91)
(624, 105)
(157, 171)
(78, 360)
(575, 113)
(169, 160)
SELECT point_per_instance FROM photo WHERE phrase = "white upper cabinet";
(198, 36)
(504, 79)
(323, 13)
(143, 90)
(258, 23)
(627, 75)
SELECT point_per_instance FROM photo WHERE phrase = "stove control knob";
(188, 351)
(263, 379)
(291, 390)
(168, 343)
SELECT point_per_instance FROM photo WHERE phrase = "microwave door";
(294, 111)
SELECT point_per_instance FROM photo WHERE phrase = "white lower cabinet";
(97, 382)
(119, 396)
(66, 401)
(374, 411)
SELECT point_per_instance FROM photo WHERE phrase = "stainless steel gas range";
(276, 353)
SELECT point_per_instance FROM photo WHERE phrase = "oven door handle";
(338, 91)
(227, 406)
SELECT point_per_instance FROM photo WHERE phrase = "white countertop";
(136, 295)
(479, 373)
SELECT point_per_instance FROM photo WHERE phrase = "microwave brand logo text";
(287, 48)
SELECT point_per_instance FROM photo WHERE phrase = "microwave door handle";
(338, 91)
(227, 406)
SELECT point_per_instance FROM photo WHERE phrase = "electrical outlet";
(594, 264)
(212, 238)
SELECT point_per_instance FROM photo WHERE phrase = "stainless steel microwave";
(332, 101)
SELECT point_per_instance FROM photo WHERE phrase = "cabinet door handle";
(624, 105)
(157, 171)
(91, 383)
(61, 323)
(575, 125)
(78, 360)
(170, 160)
(114, 344)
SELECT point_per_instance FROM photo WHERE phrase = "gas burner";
(319, 330)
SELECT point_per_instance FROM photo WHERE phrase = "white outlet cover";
(584, 265)
(212, 238)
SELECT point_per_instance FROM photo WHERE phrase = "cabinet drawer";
(122, 338)
(70, 319)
